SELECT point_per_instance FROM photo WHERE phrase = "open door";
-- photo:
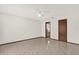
(62, 28)
(47, 29)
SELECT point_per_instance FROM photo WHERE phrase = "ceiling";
(32, 11)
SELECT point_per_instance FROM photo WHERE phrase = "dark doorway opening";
(47, 29)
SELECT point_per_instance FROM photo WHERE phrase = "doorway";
(62, 28)
(47, 29)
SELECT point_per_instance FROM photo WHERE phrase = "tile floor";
(39, 46)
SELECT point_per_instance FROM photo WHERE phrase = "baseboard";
(36, 38)
(54, 39)
(73, 43)
(20, 40)
(66, 42)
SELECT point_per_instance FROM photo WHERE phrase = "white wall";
(15, 28)
(1, 29)
(54, 29)
(18, 22)
(73, 27)
(71, 12)
(20, 16)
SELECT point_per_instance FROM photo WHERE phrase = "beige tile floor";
(39, 46)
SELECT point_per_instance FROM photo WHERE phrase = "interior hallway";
(39, 46)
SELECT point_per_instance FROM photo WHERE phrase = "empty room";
(39, 29)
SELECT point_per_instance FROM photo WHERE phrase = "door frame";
(59, 29)
(46, 29)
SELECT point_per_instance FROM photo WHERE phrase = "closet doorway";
(62, 28)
